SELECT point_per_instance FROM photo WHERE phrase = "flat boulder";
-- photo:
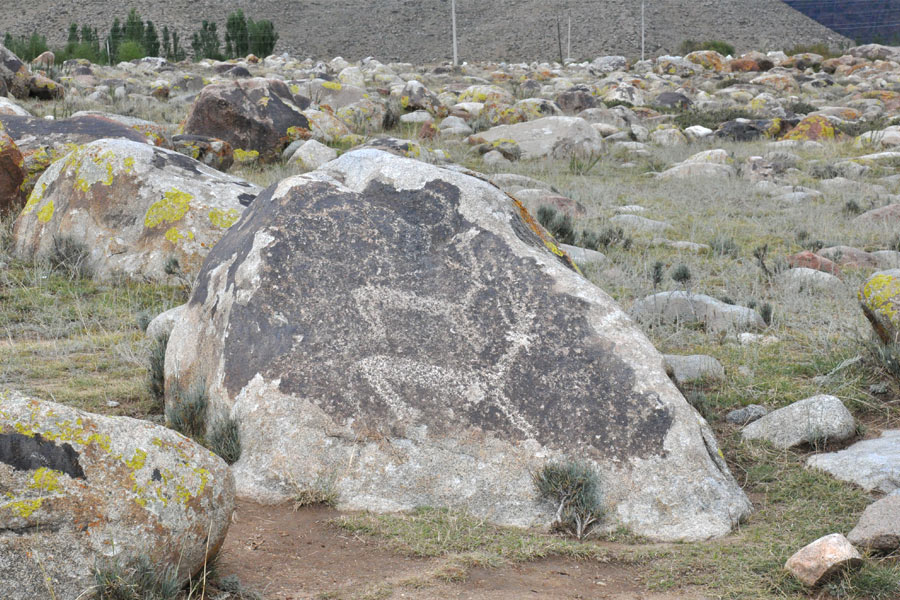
(686, 308)
(133, 206)
(410, 334)
(250, 114)
(559, 137)
(83, 491)
(871, 464)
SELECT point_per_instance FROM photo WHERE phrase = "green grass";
(463, 541)
(76, 341)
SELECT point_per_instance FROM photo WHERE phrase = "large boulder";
(80, 491)
(42, 141)
(879, 298)
(560, 137)
(250, 114)
(412, 336)
(134, 206)
(14, 74)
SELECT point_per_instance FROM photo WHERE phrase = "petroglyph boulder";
(411, 336)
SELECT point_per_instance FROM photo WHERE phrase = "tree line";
(135, 38)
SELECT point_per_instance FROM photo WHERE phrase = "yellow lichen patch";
(173, 235)
(46, 480)
(23, 508)
(137, 461)
(295, 89)
(245, 156)
(223, 218)
(881, 293)
(264, 101)
(171, 208)
(331, 85)
(128, 164)
(34, 199)
(46, 213)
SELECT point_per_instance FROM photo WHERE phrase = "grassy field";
(69, 339)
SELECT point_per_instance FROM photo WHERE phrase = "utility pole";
(642, 29)
(559, 41)
(453, 26)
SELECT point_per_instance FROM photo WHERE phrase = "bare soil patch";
(291, 555)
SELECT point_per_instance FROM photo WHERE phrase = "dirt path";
(288, 555)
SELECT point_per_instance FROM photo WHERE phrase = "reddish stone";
(813, 261)
(12, 173)
(743, 65)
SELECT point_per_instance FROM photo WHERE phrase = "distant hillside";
(419, 30)
(862, 20)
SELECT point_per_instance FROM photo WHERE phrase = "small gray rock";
(879, 525)
(747, 414)
(585, 256)
(806, 421)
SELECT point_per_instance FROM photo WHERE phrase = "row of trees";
(136, 39)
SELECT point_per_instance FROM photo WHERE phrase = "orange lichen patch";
(743, 65)
(543, 234)
(811, 128)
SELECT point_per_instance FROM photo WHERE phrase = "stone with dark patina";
(411, 334)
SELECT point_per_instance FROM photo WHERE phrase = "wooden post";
(453, 27)
(559, 40)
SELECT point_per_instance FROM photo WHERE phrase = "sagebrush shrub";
(573, 488)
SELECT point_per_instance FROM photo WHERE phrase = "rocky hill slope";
(864, 22)
(419, 30)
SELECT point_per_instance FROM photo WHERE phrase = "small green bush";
(724, 246)
(573, 489)
(681, 274)
(225, 439)
(156, 371)
(139, 581)
(69, 257)
(559, 224)
(130, 50)
(186, 413)
(656, 274)
(722, 48)
(819, 48)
